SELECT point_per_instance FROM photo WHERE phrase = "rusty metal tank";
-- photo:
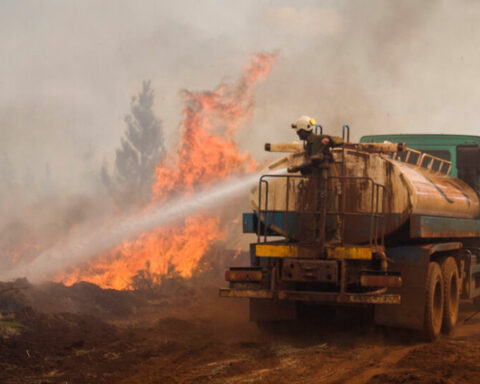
(371, 188)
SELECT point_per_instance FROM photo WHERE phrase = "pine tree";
(141, 148)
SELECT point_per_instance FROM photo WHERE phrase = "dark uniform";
(315, 145)
(317, 154)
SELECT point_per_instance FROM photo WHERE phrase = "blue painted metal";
(249, 223)
(443, 227)
(276, 224)
(411, 254)
(275, 221)
(318, 128)
(346, 129)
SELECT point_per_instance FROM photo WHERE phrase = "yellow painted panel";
(285, 250)
(277, 250)
(362, 253)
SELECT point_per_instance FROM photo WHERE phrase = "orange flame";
(207, 153)
(25, 250)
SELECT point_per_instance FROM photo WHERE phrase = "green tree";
(141, 148)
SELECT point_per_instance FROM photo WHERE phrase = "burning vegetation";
(207, 153)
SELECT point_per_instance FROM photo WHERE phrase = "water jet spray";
(94, 238)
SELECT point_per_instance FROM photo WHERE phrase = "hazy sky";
(69, 68)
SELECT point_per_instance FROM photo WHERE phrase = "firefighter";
(317, 147)
(317, 157)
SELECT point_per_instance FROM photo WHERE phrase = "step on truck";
(390, 222)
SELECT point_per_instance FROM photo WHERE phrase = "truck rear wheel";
(451, 294)
(433, 302)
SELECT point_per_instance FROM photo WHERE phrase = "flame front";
(207, 153)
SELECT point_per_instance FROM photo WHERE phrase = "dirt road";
(192, 338)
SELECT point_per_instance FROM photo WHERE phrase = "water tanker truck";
(391, 222)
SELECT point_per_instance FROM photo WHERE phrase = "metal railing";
(424, 160)
(307, 211)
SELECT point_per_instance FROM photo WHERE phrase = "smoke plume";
(69, 70)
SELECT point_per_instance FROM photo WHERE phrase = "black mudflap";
(412, 263)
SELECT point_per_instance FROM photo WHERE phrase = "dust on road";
(189, 335)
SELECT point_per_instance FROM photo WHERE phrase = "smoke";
(91, 239)
(207, 153)
(379, 66)
(70, 68)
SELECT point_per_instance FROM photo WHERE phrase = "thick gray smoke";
(69, 70)
(90, 240)
(379, 66)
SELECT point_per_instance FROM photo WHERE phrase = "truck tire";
(433, 302)
(451, 294)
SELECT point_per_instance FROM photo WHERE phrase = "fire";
(162, 249)
(25, 250)
(207, 153)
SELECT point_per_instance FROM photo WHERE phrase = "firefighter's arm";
(306, 166)
(335, 141)
(300, 167)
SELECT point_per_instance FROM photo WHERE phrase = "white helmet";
(304, 123)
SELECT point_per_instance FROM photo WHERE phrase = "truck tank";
(366, 189)
(372, 224)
